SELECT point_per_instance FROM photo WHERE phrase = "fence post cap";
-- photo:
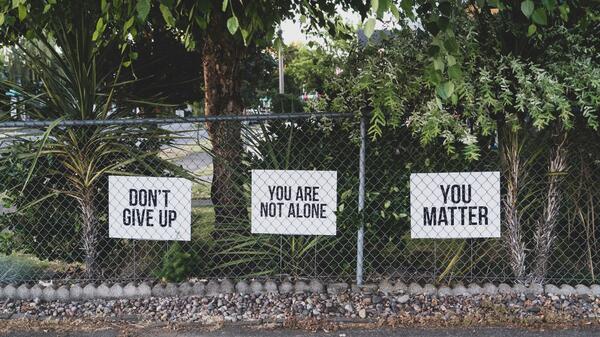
(256, 287)
(316, 287)
(23, 292)
(158, 290)
(241, 287)
(286, 287)
(337, 288)
(198, 288)
(415, 289)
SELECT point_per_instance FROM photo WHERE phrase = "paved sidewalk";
(247, 332)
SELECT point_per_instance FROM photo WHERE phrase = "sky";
(292, 33)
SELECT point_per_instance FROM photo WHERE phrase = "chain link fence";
(54, 222)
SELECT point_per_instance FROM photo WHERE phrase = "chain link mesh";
(54, 216)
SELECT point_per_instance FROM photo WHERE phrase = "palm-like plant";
(259, 255)
(78, 79)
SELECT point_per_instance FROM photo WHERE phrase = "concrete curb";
(212, 288)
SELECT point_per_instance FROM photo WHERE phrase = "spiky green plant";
(259, 255)
(78, 80)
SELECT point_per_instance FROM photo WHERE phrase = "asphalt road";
(187, 133)
(247, 332)
(194, 161)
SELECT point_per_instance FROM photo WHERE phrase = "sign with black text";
(294, 202)
(455, 205)
(149, 208)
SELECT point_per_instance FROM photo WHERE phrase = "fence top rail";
(199, 119)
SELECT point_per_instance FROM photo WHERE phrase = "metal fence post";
(361, 202)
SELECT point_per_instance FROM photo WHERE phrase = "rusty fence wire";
(54, 216)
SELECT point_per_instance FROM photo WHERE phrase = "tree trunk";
(90, 233)
(545, 227)
(222, 55)
(510, 152)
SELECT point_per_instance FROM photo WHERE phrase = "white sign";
(455, 205)
(149, 208)
(294, 202)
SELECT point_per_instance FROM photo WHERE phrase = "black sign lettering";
(483, 215)
(143, 203)
(302, 202)
(455, 215)
(429, 218)
(270, 209)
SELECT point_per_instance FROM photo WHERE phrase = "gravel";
(270, 307)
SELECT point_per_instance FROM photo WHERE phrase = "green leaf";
(128, 24)
(451, 60)
(382, 7)
(201, 22)
(527, 7)
(454, 72)
(1, 19)
(451, 45)
(407, 6)
(445, 90)
(369, 27)
(245, 35)
(99, 24)
(167, 16)
(374, 5)
(224, 6)
(438, 63)
(540, 17)
(45, 138)
(99, 29)
(549, 4)
(434, 76)
(233, 24)
(564, 11)
(143, 9)
(395, 11)
(17, 3)
(433, 50)
(189, 42)
(22, 12)
(532, 29)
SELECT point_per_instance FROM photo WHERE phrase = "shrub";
(176, 264)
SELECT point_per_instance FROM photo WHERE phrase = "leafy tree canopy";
(483, 58)
(254, 22)
(497, 79)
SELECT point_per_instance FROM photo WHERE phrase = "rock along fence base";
(90, 291)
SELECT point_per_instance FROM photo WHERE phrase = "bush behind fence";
(54, 221)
